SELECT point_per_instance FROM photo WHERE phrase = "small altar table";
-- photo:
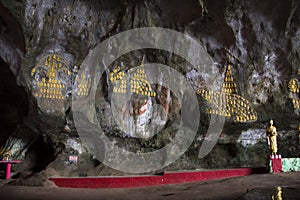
(8, 164)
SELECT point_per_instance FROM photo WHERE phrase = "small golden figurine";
(278, 194)
(271, 134)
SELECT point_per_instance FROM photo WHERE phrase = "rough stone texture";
(263, 37)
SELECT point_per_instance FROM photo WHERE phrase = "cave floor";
(257, 186)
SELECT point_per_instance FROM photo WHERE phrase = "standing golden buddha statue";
(271, 134)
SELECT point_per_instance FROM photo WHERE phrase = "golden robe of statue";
(272, 137)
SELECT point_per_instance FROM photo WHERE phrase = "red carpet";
(139, 181)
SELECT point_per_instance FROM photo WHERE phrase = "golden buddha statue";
(294, 89)
(278, 194)
(271, 134)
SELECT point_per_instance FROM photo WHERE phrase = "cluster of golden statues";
(271, 134)
(48, 83)
(120, 79)
(227, 102)
(228, 86)
(50, 88)
(48, 75)
(294, 88)
(83, 85)
(138, 81)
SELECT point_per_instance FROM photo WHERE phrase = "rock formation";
(44, 43)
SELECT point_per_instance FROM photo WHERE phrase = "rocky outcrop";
(262, 39)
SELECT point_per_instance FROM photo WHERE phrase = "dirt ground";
(258, 186)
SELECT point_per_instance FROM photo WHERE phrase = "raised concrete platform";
(278, 164)
(139, 181)
(218, 189)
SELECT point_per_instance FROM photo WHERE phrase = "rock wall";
(262, 39)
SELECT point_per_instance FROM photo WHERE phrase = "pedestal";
(275, 163)
(8, 164)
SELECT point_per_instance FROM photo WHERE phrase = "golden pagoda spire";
(143, 60)
(228, 86)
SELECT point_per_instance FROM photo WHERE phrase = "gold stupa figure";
(50, 77)
(228, 85)
(133, 81)
(227, 102)
(82, 85)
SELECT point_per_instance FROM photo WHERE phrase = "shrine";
(82, 85)
(51, 81)
(227, 102)
(133, 81)
(199, 99)
(48, 75)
